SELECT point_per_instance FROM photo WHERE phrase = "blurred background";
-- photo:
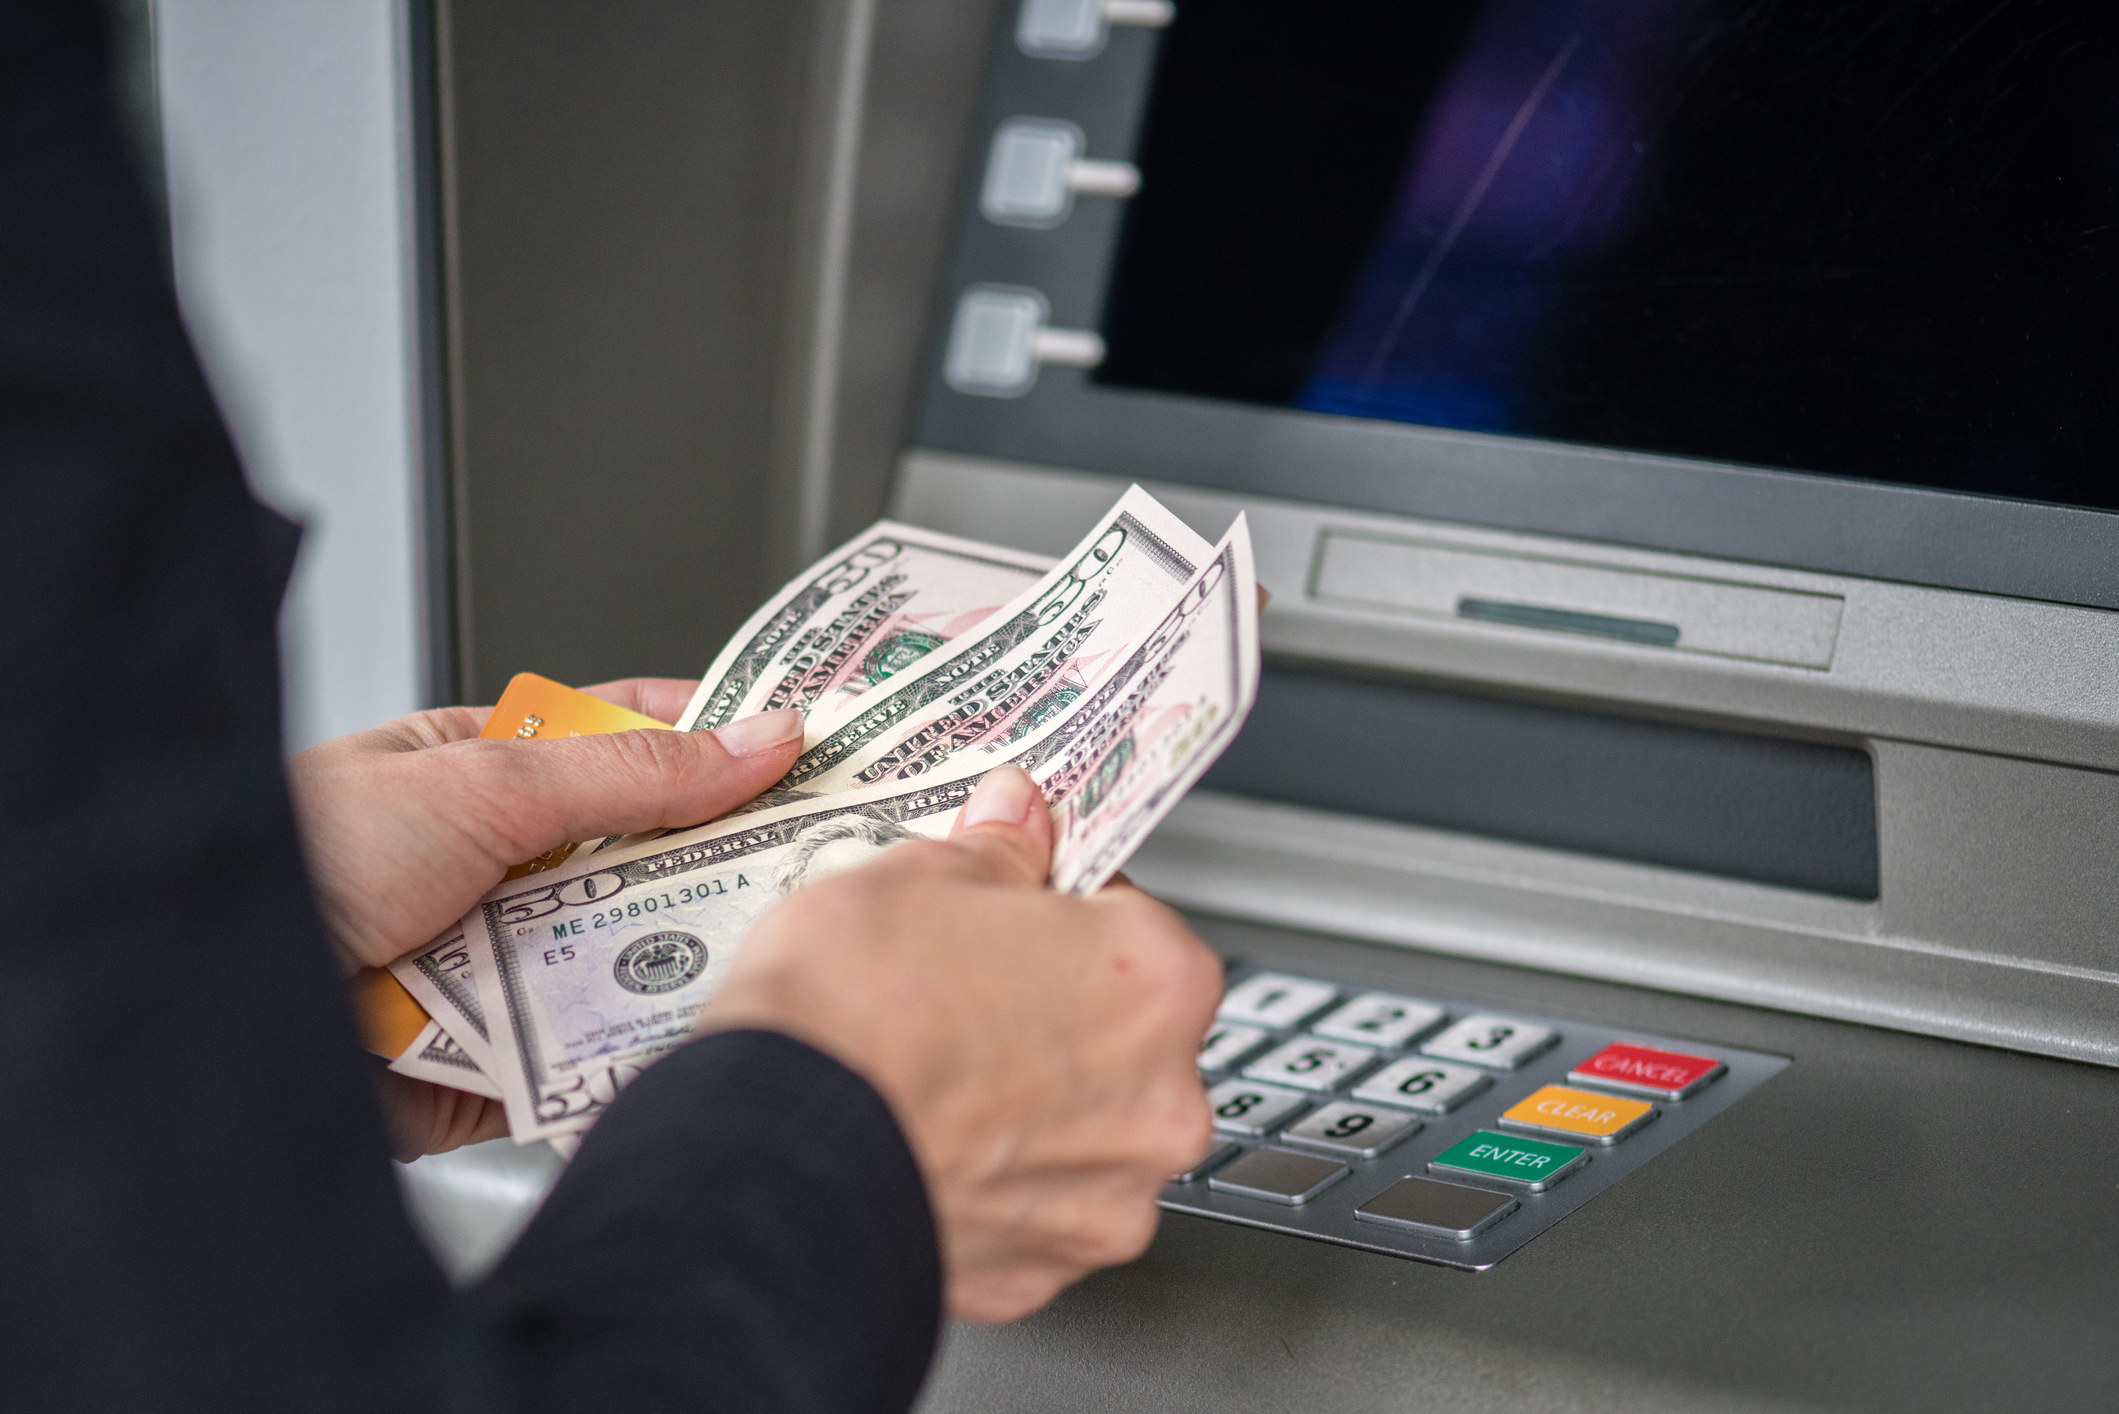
(461, 270)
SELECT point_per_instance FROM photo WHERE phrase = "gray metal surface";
(620, 203)
(1993, 724)
(1893, 1223)
(1741, 513)
(688, 253)
(1550, 1047)
(471, 1203)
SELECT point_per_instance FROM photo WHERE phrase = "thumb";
(1007, 827)
(537, 794)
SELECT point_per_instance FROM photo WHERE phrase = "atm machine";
(1670, 880)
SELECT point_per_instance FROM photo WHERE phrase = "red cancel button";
(1668, 1075)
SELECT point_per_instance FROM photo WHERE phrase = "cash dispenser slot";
(1790, 813)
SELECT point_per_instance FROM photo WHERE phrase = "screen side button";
(1436, 1209)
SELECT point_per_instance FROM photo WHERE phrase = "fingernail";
(1003, 798)
(748, 736)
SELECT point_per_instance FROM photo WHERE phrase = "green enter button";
(1532, 1164)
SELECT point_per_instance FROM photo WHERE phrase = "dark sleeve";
(196, 1210)
(823, 1288)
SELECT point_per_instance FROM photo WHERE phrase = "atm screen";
(1874, 241)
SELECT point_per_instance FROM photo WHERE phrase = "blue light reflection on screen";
(1538, 150)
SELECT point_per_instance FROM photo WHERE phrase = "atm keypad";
(1426, 1128)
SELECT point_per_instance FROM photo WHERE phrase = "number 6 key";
(1435, 1087)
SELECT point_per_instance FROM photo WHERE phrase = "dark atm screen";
(1876, 239)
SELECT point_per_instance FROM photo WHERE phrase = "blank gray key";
(1437, 1209)
(1219, 1151)
(1278, 1176)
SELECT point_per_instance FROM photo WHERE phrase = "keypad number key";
(1380, 1019)
(1433, 1087)
(1310, 1064)
(1355, 1130)
(1277, 1000)
(1500, 1042)
(1240, 1107)
(1227, 1043)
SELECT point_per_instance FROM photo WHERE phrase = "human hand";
(405, 826)
(1038, 1050)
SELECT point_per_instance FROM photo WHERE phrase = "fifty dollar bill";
(586, 974)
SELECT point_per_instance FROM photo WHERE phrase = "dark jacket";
(196, 1209)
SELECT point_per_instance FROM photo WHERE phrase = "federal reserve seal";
(659, 962)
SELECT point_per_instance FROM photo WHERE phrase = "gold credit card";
(533, 708)
(538, 709)
(390, 1020)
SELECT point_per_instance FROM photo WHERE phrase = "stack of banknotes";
(921, 661)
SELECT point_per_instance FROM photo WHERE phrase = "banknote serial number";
(642, 907)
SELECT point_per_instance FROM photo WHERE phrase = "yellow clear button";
(1579, 1114)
